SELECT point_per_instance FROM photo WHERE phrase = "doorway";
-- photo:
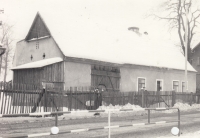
(159, 85)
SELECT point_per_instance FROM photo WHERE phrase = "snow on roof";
(39, 64)
(92, 34)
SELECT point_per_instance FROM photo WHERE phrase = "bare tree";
(8, 56)
(174, 11)
(6, 40)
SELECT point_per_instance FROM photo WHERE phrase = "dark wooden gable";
(38, 29)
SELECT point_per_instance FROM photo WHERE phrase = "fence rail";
(22, 98)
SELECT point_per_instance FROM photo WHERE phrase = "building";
(118, 58)
(195, 62)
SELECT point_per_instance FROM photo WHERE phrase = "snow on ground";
(127, 106)
(188, 135)
(183, 107)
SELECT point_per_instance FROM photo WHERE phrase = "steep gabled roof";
(38, 28)
(98, 39)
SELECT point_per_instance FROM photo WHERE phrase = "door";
(159, 85)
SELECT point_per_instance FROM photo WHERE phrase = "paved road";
(190, 122)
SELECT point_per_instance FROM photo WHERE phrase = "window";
(37, 44)
(141, 83)
(176, 86)
(183, 86)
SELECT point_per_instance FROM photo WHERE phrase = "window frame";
(162, 84)
(182, 86)
(138, 82)
(173, 84)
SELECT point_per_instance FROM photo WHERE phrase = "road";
(190, 122)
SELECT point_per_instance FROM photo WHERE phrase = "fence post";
(158, 97)
(70, 103)
(45, 99)
(76, 97)
(191, 99)
(142, 90)
(173, 98)
(90, 98)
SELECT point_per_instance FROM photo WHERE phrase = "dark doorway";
(159, 85)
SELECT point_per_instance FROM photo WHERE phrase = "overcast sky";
(20, 13)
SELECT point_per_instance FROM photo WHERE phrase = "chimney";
(135, 29)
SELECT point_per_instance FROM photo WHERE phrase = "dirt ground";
(190, 122)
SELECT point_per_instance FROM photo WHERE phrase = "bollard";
(179, 124)
(56, 120)
(108, 124)
(149, 116)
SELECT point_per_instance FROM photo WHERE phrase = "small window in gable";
(37, 44)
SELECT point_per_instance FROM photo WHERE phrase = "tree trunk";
(6, 63)
(0, 63)
(6, 66)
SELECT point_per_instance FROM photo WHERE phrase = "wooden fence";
(79, 99)
(150, 99)
(23, 98)
(26, 99)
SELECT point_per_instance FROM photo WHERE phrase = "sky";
(21, 13)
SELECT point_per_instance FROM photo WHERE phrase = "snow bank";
(189, 135)
(183, 107)
(118, 107)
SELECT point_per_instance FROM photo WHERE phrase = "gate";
(157, 99)
(81, 100)
(105, 78)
